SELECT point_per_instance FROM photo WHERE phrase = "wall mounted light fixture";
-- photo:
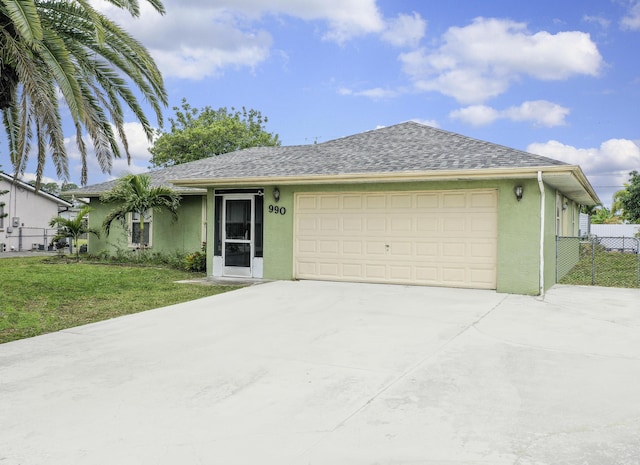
(276, 194)
(518, 190)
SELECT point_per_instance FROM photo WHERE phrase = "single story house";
(25, 215)
(406, 204)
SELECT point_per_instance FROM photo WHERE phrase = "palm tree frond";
(25, 19)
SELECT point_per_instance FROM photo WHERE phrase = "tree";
(134, 194)
(55, 188)
(630, 200)
(197, 134)
(50, 187)
(603, 215)
(617, 209)
(73, 228)
(52, 48)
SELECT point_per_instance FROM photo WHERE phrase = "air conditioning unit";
(35, 246)
(3, 247)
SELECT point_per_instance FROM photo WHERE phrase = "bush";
(196, 261)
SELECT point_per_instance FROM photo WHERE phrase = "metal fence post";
(638, 260)
(593, 261)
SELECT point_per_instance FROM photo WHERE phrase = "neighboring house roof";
(406, 151)
(23, 185)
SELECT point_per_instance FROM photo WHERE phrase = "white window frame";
(148, 220)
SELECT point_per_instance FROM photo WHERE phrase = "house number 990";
(277, 210)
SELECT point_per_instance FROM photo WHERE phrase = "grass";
(612, 269)
(39, 295)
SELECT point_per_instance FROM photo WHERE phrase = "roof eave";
(81, 194)
(568, 178)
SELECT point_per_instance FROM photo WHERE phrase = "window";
(2, 215)
(135, 229)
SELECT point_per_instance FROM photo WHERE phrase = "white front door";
(238, 233)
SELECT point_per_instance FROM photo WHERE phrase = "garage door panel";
(427, 201)
(328, 247)
(307, 268)
(454, 249)
(401, 249)
(330, 202)
(483, 250)
(376, 201)
(427, 223)
(352, 224)
(454, 200)
(307, 246)
(454, 225)
(426, 274)
(308, 224)
(352, 202)
(376, 224)
(352, 247)
(352, 270)
(306, 202)
(401, 224)
(400, 273)
(437, 238)
(401, 201)
(483, 200)
(329, 224)
(328, 269)
(375, 272)
(427, 249)
(376, 248)
(453, 275)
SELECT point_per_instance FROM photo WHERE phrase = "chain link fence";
(598, 261)
(25, 238)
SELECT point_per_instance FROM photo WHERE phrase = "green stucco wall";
(518, 229)
(169, 236)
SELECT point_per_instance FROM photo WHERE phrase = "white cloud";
(604, 23)
(632, 19)
(427, 122)
(345, 18)
(405, 30)
(200, 38)
(538, 112)
(607, 166)
(476, 115)
(138, 148)
(26, 177)
(376, 93)
(482, 60)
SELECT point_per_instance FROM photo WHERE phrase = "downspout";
(542, 204)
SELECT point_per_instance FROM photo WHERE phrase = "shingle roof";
(404, 147)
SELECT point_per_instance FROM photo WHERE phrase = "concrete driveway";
(329, 373)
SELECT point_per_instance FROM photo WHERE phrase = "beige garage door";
(440, 238)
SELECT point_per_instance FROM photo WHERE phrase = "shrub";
(196, 261)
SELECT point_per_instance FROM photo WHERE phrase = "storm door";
(238, 234)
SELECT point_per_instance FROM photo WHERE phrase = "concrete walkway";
(329, 373)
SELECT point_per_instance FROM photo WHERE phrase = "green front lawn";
(37, 297)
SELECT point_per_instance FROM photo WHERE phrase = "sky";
(555, 78)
